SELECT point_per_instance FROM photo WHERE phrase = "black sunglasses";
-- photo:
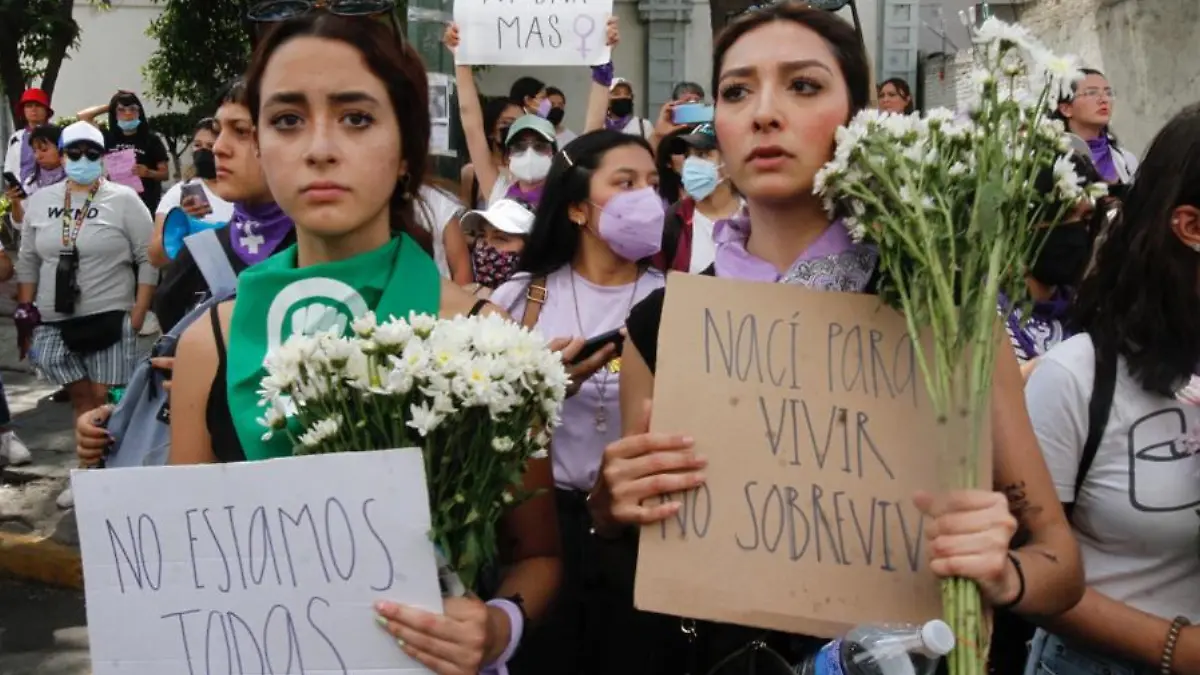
(272, 11)
(76, 152)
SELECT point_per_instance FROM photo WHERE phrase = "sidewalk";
(38, 541)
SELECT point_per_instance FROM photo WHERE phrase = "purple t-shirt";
(578, 444)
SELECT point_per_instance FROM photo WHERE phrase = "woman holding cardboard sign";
(787, 77)
(530, 142)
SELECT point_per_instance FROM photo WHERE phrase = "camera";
(66, 281)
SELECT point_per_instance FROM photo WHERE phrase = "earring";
(1195, 247)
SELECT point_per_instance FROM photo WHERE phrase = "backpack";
(141, 422)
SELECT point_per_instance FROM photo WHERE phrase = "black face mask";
(1064, 256)
(206, 163)
(555, 116)
(620, 107)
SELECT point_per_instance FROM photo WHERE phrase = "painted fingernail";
(381, 621)
(400, 643)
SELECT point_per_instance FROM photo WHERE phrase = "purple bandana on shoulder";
(28, 160)
(532, 196)
(256, 231)
(1045, 326)
(48, 177)
(834, 262)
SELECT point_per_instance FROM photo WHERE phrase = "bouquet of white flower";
(479, 395)
(953, 203)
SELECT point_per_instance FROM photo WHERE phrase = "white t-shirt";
(222, 210)
(638, 126)
(704, 250)
(435, 210)
(1137, 516)
(565, 136)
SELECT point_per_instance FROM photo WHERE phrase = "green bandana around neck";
(276, 299)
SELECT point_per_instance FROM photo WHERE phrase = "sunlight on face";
(781, 96)
(329, 137)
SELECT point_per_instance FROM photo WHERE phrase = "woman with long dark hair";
(129, 129)
(787, 76)
(585, 265)
(342, 125)
(1121, 446)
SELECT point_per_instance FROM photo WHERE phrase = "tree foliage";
(35, 36)
(202, 45)
(176, 130)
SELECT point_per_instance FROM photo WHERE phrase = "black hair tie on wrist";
(1021, 581)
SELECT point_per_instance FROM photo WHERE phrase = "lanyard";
(69, 233)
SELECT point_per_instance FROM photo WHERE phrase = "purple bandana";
(532, 196)
(833, 262)
(617, 124)
(28, 163)
(48, 177)
(1102, 157)
(255, 231)
(1044, 328)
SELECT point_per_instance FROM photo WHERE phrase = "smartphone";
(597, 343)
(692, 113)
(193, 191)
(12, 181)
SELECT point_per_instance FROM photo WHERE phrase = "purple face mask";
(632, 223)
(544, 108)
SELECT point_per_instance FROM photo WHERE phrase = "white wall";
(1147, 48)
(113, 48)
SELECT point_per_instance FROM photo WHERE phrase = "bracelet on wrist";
(1168, 654)
(514, 608)
(1016, 562)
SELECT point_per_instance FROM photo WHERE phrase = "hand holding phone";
(194, 200)
(593, 345)
(13, 183)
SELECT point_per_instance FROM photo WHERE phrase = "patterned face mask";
(493, 266)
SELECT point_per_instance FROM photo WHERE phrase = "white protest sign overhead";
(255, 567)
(532, 32)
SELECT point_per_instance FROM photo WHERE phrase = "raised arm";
(597, 102)
(471, 114)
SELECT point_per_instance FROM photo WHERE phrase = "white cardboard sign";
(255, 567)
(532, 32)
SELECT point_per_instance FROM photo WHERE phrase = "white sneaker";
(66, 500)
(13, 449)
(150, 325)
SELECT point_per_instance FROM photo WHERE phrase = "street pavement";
(43, 630)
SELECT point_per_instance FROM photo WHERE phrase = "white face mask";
(529, 166)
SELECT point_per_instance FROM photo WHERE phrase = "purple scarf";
(532, 196)
(617, 124)
(1102, 157)
(48, 177)
(1045, 326)
(256, 231)
(28, 163)
(833, 262)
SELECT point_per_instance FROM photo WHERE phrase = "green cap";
(537, 125)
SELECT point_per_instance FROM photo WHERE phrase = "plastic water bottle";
(883, 650)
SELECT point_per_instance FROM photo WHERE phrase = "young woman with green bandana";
(342, 127)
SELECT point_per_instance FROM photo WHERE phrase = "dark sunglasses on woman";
(273, 11)
(75, 153)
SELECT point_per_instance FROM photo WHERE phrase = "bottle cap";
(937, 637)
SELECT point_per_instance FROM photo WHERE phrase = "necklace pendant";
(601, 420)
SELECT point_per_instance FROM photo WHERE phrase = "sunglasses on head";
(273, 11)
(77, 152)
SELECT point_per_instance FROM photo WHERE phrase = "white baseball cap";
(81, 132)
(506, 215)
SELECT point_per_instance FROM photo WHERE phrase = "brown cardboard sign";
(811, 409)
